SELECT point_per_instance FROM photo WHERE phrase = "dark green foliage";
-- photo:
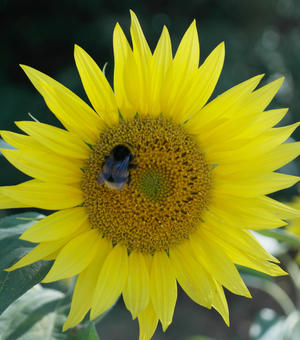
(14, 284)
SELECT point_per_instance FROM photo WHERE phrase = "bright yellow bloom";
(200, 183)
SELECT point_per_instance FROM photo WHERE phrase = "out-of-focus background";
(260, 37)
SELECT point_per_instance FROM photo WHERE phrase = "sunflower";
(176, 204)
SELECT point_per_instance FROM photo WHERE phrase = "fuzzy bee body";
(115, 169)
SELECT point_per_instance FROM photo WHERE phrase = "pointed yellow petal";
(74, 113)
(230, 101)
(279, 209)
(86, 284)
(262, 97)
(218, 264)
(255, 148)
(188, 53)
(280, 156)
(260, 185)
(45, 166)
(163, 288)
(204, 83)
(38, 253)
(246, 212)
(161, 62)
(142, 63)
(181, 74)
(191, 275)
(58, 225)
(269, 268)
(262, 121)
(220, 302)
(147, 322)
(57, 140)
(136, 290)
(74, 257)
(140, 45)
(122, 55)
(52, 196)
(238, 255)
(18, 141)
(96, 87)
(240, 238)
(8, 203)
(111, 281)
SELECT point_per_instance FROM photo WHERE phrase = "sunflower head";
(153, 185)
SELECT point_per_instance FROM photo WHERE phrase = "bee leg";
(128, 179)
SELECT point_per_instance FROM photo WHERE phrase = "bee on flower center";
(115, 169)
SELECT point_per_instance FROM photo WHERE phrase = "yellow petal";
(86, 284)
(220, 302)
(279, 209)
(18, 141)
(42, 195)
(74, 257)
(278, 157)
(38, 253)
(260, 185)
(45, 165)
(181, 73)
(262, 97)
(243, 259)
(218, 264)
(8, 203)
(140, 45)
(191, 275)
(187, 55)
(58, 225)
(142, 56)
(96, 87)
(230, 101)
(244, 212)
(161, 61)
(255, 148)
(204, 83)
(262, 121)
(163, 288)
(111, 281)
(74, 113)
(239, 255)
(57, 140)
(122, 55)
(147, 322)
(229, 135)
(240, 238)
(136, 290)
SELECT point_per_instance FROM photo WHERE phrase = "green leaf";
(40, 314)
(31, 316)
(14, 284)
(283, 236)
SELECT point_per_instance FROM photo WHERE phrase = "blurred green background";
(260, 37)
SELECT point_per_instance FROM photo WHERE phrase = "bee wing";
(105, 172)
(120, 171)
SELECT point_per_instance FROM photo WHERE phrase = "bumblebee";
(115, 169)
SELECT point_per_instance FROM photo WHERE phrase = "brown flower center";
(170, 187)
